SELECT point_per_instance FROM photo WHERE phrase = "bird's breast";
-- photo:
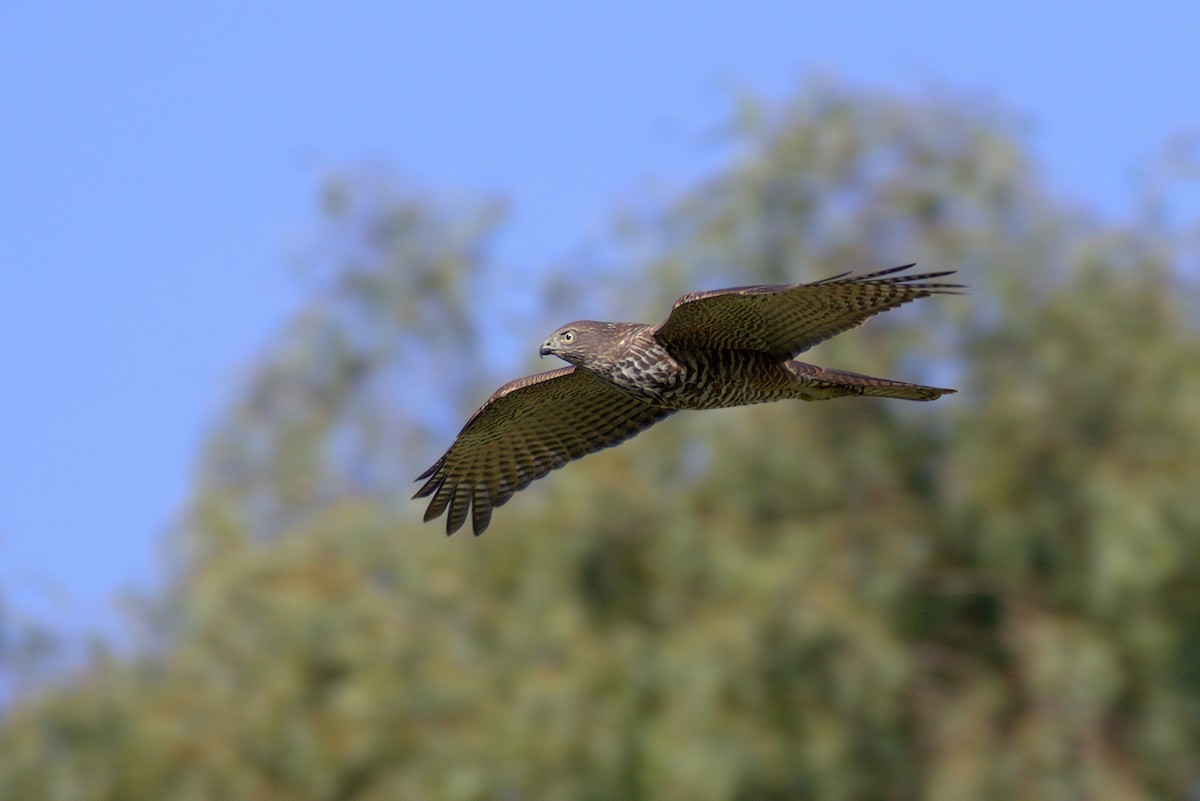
(701, 379)
(648, 371)
(717, 379)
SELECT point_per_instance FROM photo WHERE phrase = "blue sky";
(159, 165)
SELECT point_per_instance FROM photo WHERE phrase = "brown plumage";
(729, 347)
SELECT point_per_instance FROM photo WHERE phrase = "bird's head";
(569, 342)
(590, 344)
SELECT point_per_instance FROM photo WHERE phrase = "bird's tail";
(822, 383)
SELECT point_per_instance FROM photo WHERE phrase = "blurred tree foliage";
(990, 597)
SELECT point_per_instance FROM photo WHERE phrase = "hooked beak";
(545, 351)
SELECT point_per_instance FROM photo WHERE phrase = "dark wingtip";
(831, 278)
(431, 469)
(434, 481)
(454, 521)
(888, 271)
(850, 277)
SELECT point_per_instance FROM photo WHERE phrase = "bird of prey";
(728, 347)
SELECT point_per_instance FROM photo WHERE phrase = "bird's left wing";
(786, 319)
(526, 429)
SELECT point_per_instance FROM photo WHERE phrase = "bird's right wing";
(526, 429)
(786, 319)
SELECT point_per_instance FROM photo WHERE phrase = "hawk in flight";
(728, 347)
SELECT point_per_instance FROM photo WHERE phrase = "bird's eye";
(568, 336)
